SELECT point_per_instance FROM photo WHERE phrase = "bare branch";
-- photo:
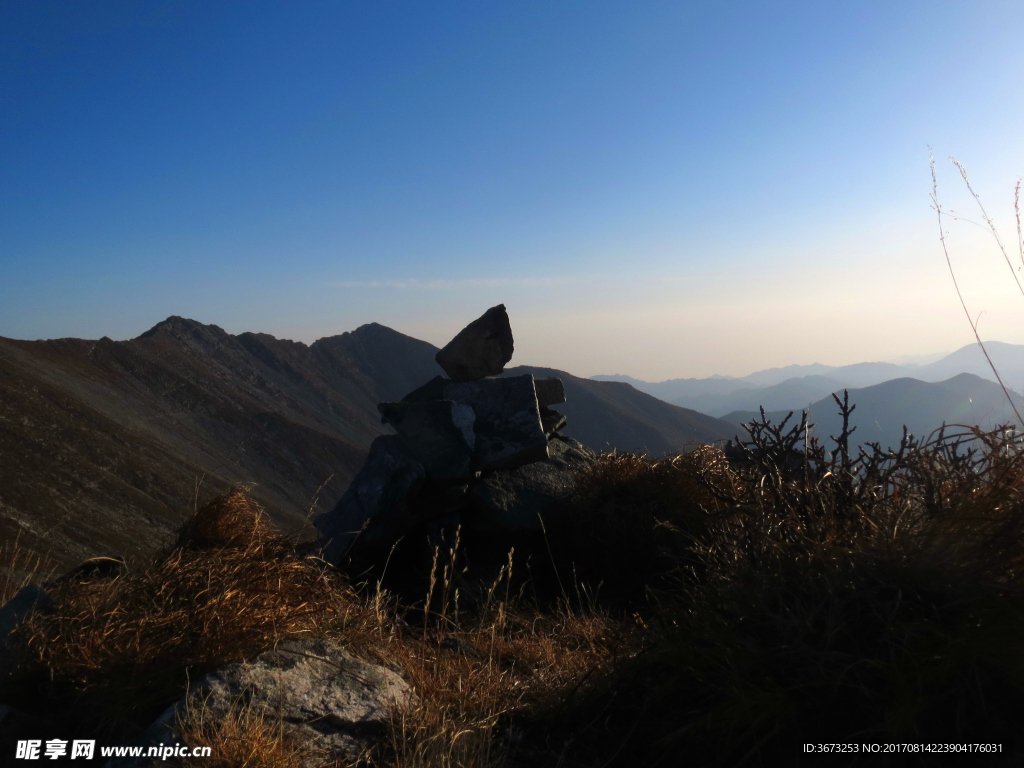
(937, 207)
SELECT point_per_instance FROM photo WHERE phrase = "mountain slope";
(792, 393)
(109, 438)
(1007, 358)
(105, 445)
(674, 389)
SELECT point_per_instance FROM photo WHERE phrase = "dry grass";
(633, 522)
(247, 737)
(876, 597)
(22, 567)
(722, 612)
(228, 590)
(472, 684)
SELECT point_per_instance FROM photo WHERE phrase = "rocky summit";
(471, 449)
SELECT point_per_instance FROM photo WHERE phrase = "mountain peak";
(177, 326)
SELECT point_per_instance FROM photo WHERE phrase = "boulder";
(381, 493)
(436, 433)
(480, 349)
(324, 698)
(515, 499)
(507, 427)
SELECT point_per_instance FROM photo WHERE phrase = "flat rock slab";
(322, 695)
(507, 427)
(480, 349)
(437, 433)
(516, 499)
(550, 391)
(380, 494)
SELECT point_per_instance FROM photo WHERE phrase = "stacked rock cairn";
(471, 448)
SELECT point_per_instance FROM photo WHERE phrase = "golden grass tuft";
(247, 737)
(474, 682)
(132, 641)
(21, 567)
(233, 519)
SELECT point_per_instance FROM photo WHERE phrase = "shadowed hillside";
(102, 440)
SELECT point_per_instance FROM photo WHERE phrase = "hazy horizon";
(656, 191)
(518, 357)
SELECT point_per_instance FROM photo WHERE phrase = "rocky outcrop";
(472, 449)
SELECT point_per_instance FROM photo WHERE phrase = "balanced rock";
(480, 349)
(381, 493)
(517, 499)
(507, 426)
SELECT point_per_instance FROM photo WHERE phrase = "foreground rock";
(480, 349)
(323, 697)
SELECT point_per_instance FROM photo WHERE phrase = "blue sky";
(659, 189)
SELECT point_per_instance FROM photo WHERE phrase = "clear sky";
(651, 188)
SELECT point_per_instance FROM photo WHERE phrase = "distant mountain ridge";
(796, 385)
(883, 409)
(613, 415)
(105, 445)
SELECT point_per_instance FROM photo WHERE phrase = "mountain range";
(106, 445)
(796, 386)
(883, 409)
